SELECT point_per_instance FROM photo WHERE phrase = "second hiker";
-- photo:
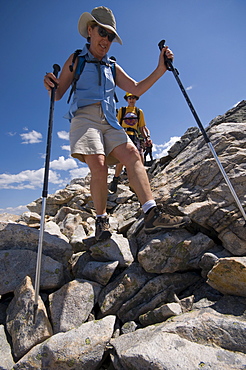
(132, 120)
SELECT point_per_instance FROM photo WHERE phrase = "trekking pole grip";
(56, 69)
(168, 62)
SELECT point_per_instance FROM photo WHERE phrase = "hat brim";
(83, 29)
(126, 97)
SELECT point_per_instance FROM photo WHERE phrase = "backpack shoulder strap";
(75, 55)
(123, 112)
(80, 67)
(113, 69)
(138, 112)
(112, 66)
(78, 71)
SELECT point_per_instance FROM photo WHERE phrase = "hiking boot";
(155, 220)
(113, 184)
(102, 228)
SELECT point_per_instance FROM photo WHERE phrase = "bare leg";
(98, 185)
(129, 156)
(153, 219)
(118, 169)
(142, 156)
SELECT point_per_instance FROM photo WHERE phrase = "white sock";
(147, 205)
(103, 215)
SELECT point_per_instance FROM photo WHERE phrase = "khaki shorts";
(90, 133)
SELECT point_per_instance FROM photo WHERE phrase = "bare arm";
(146, 134)
(63, 82)
(127, 83)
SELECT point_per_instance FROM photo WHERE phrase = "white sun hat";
(101, 15)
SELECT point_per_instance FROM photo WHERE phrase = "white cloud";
(189, 88)
(63, 135)
(11, 133)
(29, 179)
(63, 164)
(32, 137)
(66, 147)
(33, 179)
(14, 211)
(79, 172)
(162, 149)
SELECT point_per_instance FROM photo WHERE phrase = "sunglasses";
(132, 97)
(104, 33)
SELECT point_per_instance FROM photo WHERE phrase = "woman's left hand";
(169, 55)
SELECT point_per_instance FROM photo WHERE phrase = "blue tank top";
(96, 84)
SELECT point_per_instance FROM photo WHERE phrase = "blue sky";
(206, 36)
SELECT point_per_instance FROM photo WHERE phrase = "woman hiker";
(96, 137)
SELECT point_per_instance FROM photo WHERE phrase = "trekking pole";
(170, 67)
(56, 69)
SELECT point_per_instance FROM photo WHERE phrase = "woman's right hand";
(49, 80)
(63, 82)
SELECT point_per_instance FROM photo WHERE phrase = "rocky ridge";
(174, 299)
